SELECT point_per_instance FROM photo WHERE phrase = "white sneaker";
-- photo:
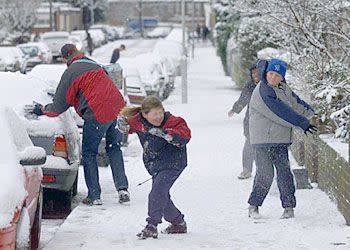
(97, 202)
(253, 212)
(244, 175)
(124, 196)
(90, 202)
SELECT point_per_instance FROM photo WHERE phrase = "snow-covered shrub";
(316, 33)
(253, 35)
(332, 98)
(225, 24)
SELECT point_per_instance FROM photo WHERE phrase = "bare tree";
(18, 15)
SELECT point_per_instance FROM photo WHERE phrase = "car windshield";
(30, 50)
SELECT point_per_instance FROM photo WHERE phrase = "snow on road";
(213, 200)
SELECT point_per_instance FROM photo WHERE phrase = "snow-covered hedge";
(314, 32)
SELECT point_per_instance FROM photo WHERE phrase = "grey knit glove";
(160, 133)
(122, 124)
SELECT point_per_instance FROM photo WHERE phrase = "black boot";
(176, 229)
(150, 231)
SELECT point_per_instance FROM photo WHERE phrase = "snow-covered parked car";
(172, 50)
(98, 37)
(107, 30)
(153, 74)
(57, 70)
(169, 72)
(83, 37)
(52, 74)
(134, 86)
(158, 32)
(37, 52)
(20, 184)
(55, 40)
(79, 42)
(59, 136)
(14, 59)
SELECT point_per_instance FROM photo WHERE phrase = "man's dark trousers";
(93, 132)
(266, 158)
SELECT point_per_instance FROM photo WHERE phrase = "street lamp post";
(184, 57)
(192, 29)
(140, 19)
(50, 6)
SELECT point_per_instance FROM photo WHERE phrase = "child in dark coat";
(163, 138)
(238, 106)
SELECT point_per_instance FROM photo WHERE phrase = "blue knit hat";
(278, 66)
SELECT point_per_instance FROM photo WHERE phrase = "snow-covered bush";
(315, 32)
(253, 35)
(225, 24)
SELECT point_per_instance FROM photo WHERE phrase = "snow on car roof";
(52, 34)
(17, 90)
(129, 66)
(50, 73)
(12, 192)
(35, 44)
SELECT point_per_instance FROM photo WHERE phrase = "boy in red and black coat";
(163, 138)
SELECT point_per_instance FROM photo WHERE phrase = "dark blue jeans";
(266, 158)
(159, 201)
(93, 132)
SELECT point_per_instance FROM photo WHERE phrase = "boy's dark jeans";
(93, 132)
(159, 201)
(266, 158)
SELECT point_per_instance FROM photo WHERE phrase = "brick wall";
(326, 167)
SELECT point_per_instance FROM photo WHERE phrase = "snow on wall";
(336, 143)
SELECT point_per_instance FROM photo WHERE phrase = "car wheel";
(75, 186)
(57, 203)
(36, 228)
(67, 198)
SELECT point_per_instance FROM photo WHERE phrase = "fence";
(326, 167)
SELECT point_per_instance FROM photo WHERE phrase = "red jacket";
(88, 88)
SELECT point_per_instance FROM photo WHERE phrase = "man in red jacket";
(86, 86)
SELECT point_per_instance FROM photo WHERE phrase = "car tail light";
(48, 179)
(60, 147)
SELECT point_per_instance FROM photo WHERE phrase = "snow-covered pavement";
(213, 200)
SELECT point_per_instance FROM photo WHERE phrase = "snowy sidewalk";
(213, 200)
